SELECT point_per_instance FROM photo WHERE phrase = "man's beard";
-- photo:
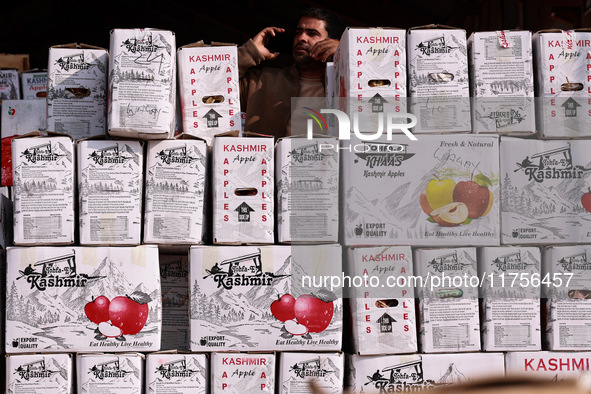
(306, 61)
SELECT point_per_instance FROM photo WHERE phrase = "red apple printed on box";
(306, 314)
(450, 204)
(123, 315)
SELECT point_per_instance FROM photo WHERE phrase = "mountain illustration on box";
(245, 306)
(322, 369)
(121, 371)
(50, 308)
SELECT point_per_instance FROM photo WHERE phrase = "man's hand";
(325, 49)
(261, 40)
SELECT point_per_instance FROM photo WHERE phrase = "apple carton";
(110, 180)
(330, 98)
(370, 75)
(109, 297)
(563, 87)
(77, 90)
(142, 83)
(439, 190)
(545, 191)
(265, 298)
(307, 188)
(237, 373)
(181, 373)
(43, 190)
(502, 82)
(243, 188)
(110, 373)
(566, 276)
(382, 315)
(10, 87)
(438, 82)
(448, 369)
(19, 117)
(34, 84)
(175, 191)
(209, 89)
(174, 277)
(39, 373)
(510, 296)
(385, 374)
(552, 366)
(297, 370)
(448, 300)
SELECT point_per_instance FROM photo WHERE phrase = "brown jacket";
(265, 93)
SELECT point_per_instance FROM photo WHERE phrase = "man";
(266, 93)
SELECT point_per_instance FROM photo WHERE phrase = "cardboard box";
(39, 373)
(43, 191)
(297, 370)
(563, 87)
(567, 272)
(382, 314)
(449, 369)
(209, 89)
(142, 83)
(448, 300)
(307, 184)
(34, 84)
(54, 292)
(19, 117)
(543, 184)
(264, 298)
(243, 189)
(370, 74)
(389, 186)
(236, 373)
(18, 61)
(555, 366)
(388, 373)
(175, 191)
(110, 181)
(10, 84)
(510, 296)
(176, 372)
(502, 82)
(174, 277)
(77, 90)
(438, 82)
(111, 373)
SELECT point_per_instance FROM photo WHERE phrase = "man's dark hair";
(334, 24)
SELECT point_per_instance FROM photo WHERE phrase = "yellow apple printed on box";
(438, 190)
(449, 204)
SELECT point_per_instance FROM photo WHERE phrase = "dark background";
(32, 26)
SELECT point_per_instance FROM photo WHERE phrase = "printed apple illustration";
(313, 312)
(97, 310)
(586, 200)
(108, 330)
(475, 194)
(295, 328)
(130, 315)
(439, 192)
(451, 214)
(282, 308)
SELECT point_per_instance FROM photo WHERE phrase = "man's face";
(308, 33)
